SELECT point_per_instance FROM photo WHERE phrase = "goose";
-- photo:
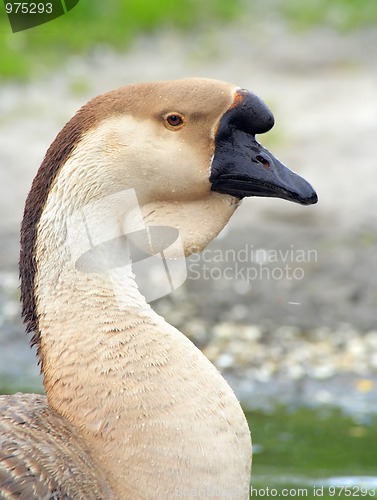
(133, 410)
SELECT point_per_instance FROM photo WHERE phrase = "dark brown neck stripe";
(56, 156)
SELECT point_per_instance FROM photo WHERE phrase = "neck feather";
(144, 397)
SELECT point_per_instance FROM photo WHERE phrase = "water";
(313, 453)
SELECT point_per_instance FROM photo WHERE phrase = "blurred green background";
(115, 23)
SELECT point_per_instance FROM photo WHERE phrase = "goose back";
(42, 456)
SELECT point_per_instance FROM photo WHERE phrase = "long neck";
(159, 417)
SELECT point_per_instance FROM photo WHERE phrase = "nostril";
(263, 161)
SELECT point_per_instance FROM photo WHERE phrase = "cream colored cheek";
(180, 172)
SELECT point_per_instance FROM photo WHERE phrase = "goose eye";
(174, 121)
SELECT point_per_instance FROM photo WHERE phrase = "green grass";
(115, 23)
(11, 386)
(343, 15)
(91, 23)
(298, 448)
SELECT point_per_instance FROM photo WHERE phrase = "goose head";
(187, 148)
(187, 152)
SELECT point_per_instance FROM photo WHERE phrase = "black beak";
(243, 167)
